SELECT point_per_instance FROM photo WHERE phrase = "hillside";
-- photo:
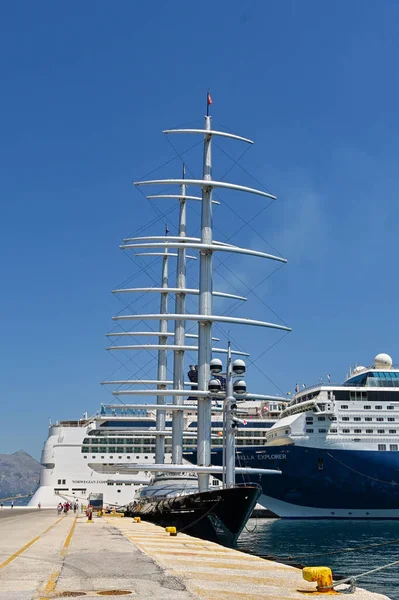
(19, 474)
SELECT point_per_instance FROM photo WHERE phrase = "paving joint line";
(28, 545)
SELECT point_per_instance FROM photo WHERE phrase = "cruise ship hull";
(216, 516)
(324, 483)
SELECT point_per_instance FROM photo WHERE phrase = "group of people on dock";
(67, 506)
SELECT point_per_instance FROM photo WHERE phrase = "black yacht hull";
(216, 516)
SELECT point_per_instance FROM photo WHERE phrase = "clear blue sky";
(87, 89)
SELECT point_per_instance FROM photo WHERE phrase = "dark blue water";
(301, 539)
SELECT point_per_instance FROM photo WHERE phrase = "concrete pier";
(45, 556)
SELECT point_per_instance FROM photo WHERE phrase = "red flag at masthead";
(208, 103)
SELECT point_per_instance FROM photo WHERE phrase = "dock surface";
(44, 556)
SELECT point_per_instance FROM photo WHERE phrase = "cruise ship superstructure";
(78, 456)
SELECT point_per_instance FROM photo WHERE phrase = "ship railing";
(315, 386)
(248, 484)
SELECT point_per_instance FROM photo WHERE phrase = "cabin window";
(380, 419)
(357, 431)
(333, 418)
(321, 418)
(369, 431)
(322, 430)
(346, 431)
(333, 430)
(392, 431)
(394, 447)
(367, 407)
(357, 419)
(390, 407)
(391, 418)
(309, 431)
(378, 407)
(344, 406)
(309, 419)
(380, 430)
(368, 418)
(382, 447)
(345, 418)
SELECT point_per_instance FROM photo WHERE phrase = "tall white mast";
(180, 331)
(162, 364)
(205, 317)
(205, 308)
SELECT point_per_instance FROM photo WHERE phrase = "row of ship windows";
(356, 419)
(310, 430)
(119, 484)
(148, 440)
(369, 407)
(151, 446)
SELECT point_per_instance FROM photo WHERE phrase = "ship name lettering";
(272, 456)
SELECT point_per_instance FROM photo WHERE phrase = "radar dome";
(383, 361)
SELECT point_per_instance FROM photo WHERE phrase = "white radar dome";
(383, 361)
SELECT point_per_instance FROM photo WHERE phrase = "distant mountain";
(19, 474)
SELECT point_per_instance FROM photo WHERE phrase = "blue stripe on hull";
(324, 483)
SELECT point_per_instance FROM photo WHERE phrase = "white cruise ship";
(78, 456)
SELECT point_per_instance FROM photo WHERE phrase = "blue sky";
(87, 89)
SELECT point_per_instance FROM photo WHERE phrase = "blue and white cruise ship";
(337, 447)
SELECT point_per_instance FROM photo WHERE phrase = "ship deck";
(45, 556)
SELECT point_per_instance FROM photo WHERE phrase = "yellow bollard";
(322, 576)
(99, 513)
(137, 519)
(171, 530)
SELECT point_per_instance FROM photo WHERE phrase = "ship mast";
(180, 333)
(162, 363)
(205, 318)
(205, 308)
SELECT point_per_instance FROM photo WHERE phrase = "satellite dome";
(383, 361)
(358, 369)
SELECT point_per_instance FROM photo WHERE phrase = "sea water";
(305, 540)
